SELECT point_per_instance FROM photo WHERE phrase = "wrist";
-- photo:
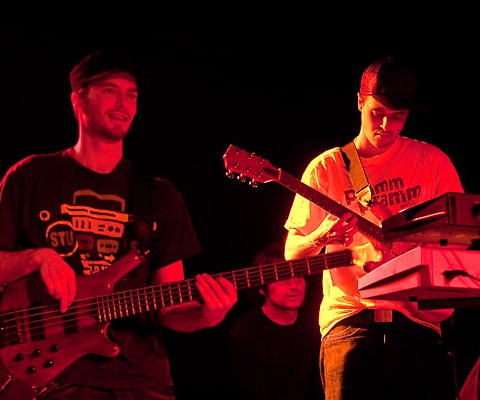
(318, 242)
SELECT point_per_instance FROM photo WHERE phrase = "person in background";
(271, 343)
(84, 219)
(375, 349)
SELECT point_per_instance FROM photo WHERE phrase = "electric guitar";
(259, 170)
(37, 341)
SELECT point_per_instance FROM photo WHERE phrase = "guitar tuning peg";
(253, 183)
(242, 178)
(230, 174)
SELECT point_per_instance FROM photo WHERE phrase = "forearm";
(16, 264)
(298, 246)
(189, 317)
(332, 231)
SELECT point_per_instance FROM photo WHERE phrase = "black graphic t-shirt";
(92, 220)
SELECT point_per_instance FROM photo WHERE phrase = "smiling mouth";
(119, 117)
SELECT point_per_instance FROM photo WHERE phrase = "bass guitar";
(256, 169)
(37, 341)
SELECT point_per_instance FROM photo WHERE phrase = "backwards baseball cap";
(391, 82)
(100, 64)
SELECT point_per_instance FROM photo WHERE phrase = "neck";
(366, 149)
(97, 156)
(281, 316)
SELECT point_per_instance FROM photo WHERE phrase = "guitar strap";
(358, 177)
(363, 191)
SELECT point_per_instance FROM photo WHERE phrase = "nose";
(384, 123)
(120, 99)
(294, 283)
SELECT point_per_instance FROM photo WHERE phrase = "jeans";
(398, 360)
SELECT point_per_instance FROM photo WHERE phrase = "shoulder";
(149, 183)
(38, 159)
(163, 184)
(162, 188)
(422, 148)
(409, 143)
(329, 156)
(157, 197)
(36, 163)
(328, 163)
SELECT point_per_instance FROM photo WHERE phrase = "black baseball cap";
(390, 81)
(100, 64)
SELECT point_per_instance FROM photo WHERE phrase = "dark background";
(284, 88)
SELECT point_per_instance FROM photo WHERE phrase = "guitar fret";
(127, 305)
(154, 300)
(139, 302)
(234, 280)
(175, 295)
(170, 295)
(145, 301)
(132, 308)
(180, 297)
(262, 278)
(247, 276)
(148, 305)
(190, 295)
(114, 306)
(109, 307)
(121, 304)
(102, 311)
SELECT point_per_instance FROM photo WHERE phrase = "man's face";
(380, 124)
(108, 106)
(289, 293)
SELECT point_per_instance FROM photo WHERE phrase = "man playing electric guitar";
(375, 349)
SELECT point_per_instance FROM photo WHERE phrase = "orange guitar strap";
(358, 177)
(363, 192)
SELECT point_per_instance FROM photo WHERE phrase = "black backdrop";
(283, 91)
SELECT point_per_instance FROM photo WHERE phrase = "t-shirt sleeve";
(10, 203)
(174, 235)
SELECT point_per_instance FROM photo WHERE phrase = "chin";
(385, 141)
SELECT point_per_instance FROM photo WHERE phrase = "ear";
(360, 102)
(75, 99)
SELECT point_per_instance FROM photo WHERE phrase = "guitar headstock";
(249, 165)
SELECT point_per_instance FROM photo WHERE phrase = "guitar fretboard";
(175, 293)
(31, 324)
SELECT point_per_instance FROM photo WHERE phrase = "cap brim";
(394, 104)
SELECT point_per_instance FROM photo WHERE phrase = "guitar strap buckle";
(364, 196)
